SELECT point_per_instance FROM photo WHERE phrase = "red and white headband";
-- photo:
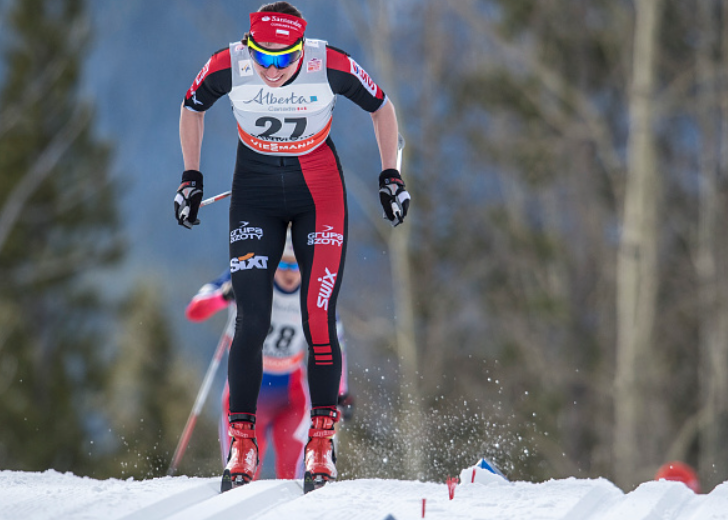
(280, 28)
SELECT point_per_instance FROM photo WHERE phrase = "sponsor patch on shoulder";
(364, 78)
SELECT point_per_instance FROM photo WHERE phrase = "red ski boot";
(243, 457)
(320, 458)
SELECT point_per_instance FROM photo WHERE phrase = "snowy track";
(64, 496)
(266, 496)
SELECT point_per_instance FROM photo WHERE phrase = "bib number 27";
(274, 125)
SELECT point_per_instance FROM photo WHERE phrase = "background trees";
(57, 224)
(59, 238)
(580, 145)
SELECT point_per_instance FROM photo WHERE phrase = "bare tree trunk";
(720, 463)
(410, 394)
(411, 428)
(637, 266)
(713, 425)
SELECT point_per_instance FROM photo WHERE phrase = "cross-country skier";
(282, 87)
(283, 400)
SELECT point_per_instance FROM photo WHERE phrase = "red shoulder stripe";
(218, 61)
(337, 60)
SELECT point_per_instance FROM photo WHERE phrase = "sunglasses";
(288, 266)
(280, 59)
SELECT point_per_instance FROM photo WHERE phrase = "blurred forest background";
(557, 299)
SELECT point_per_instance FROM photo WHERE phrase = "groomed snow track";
(52, 495)
(578, 499)
(206, 502)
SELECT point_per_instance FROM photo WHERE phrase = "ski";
(313, 482)
(228, 482)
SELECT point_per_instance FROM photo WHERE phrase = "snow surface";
(51, 494)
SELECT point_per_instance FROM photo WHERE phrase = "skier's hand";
(393, 196)
(345, 404)
(188, 198)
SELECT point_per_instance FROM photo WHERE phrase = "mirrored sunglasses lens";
(286, 60)
(280, 61)
(262, 59)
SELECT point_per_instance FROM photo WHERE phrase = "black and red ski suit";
(270, 191)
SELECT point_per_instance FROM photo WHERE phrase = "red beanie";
(276, 27)
(680, 472)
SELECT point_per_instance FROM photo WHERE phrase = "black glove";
(394, 197)
(188, 198)
(345, 403)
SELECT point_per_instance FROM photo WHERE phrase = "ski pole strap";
(241, 417)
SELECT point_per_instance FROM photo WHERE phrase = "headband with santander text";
(280, 28)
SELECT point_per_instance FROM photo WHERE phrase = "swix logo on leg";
(249, 261)
(326, 237)
(327, 287)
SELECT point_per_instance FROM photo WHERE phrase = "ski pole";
(400, 147)
(220, 196)
(396, 208)
(222, 345)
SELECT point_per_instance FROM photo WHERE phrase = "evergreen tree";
(150, 394)
(58, 224)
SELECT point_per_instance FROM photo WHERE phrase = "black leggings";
(268, 193)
